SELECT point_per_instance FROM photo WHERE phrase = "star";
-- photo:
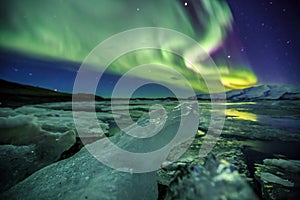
(30, 74)
(137, 9)
(185, 3)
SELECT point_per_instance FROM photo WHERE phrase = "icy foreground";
(258, 142)
(84, 177)
(214, 180)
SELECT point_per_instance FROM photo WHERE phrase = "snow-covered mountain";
(262, 92)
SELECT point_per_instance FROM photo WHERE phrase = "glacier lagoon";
(39, 143)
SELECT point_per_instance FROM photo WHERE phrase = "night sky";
(270, 34)
(265, 35)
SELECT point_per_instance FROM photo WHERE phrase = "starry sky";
(263, 41)
(270, 36)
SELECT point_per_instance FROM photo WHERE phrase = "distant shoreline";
(16, 95)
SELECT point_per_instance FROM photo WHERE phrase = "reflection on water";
(275, 116)
(227, 103)
(292, 124)
(234, 113)
(239, 103)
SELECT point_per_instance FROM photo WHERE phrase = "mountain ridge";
(260, 92)
(16, 95)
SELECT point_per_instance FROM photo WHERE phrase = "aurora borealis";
(67, 31)
(71, 29)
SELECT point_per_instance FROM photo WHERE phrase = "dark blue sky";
(268, 30)
(270, 34)
(60, 75)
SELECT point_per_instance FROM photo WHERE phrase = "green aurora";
(71, 29)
